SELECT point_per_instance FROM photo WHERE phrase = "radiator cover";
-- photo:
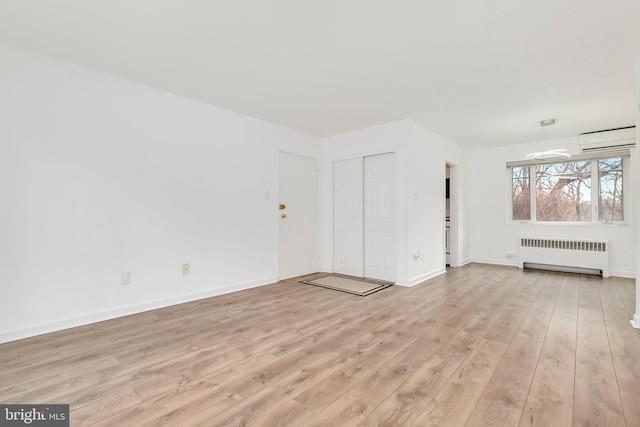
(565, 254)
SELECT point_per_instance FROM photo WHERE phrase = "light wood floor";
(481, 345)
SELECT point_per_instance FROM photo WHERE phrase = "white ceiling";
(480, 73)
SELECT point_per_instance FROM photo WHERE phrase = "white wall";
(100, 175)
(492, 236)
(428, 154)
(421, 156)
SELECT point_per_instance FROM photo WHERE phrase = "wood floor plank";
(103, 408)
(219, 369)
(350, 409)
(247, 411)
(624, 341)
(597, 400)
(509, 321)
(404, 405)
(627, 289)
(410, 399)
(481, 345)
(290, 413)
(48, 386)
(629, 392)
(469, 380)
(505, 394)
(365, 356)
(503, 399)
(388, 377)
(560, 343)
(195, 402)
(296, 367)
(550, 399)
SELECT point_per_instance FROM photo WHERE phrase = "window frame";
(626, 198)
(627, 206)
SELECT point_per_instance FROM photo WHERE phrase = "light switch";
(125, 278)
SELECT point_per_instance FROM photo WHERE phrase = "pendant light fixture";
(556, 154)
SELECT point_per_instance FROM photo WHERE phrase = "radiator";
(577, 256)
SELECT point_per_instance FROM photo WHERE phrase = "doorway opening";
(451, 216)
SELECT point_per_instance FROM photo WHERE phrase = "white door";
(298, 216)
(379, 217)
(347, 218)
(364, 217)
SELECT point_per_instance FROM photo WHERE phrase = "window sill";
(571, 224)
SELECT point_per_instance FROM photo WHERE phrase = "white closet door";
(348, 217)
(379, 217)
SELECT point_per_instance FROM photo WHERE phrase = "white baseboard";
(635, 322)
(495, 262)
(625, 274)
(72, 322)
(422, 278)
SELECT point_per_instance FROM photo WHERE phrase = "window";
(520, 194)
(582, 190)
(563, 192)
(610, 195)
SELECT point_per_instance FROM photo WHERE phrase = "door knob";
(281, 206)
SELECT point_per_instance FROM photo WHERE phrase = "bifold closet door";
(364, 217)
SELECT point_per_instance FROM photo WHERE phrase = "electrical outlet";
(185, 269)
(510, 254)
(125, 278)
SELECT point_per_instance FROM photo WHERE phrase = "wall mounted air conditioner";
(614, 138)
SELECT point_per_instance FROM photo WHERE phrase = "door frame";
(454, 260)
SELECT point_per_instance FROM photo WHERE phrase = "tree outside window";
(521, 194)
(610, 196)
(563, 192)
